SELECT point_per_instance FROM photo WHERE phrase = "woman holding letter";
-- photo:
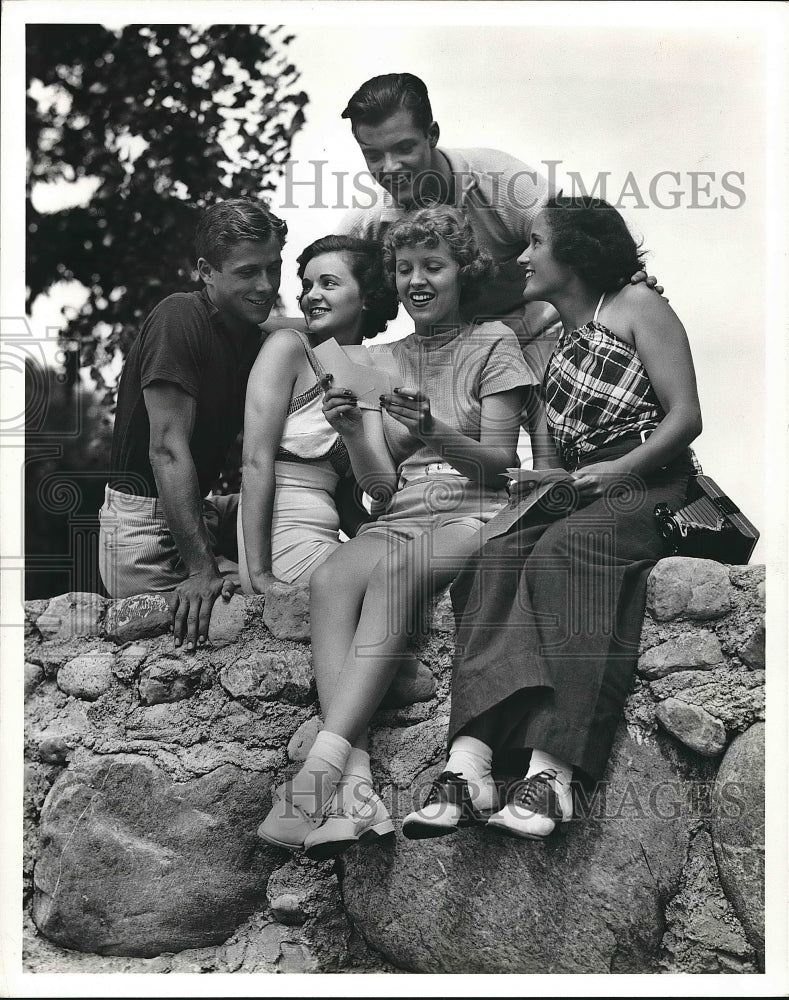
(435, 463)
(293, 458)
(550, 611)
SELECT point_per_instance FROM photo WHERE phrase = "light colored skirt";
(305, 525)
(434, 502)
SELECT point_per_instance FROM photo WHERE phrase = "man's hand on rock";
(192, 602)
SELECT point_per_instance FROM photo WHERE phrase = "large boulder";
(738, 831)
(590, 900)
(132, 863)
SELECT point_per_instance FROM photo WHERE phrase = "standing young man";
(392, 121)
(180, 407)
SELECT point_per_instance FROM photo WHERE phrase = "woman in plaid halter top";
(546, 651)
(596, 390)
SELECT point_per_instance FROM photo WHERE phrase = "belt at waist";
(419, 473)
(573, 458)
(629, 442)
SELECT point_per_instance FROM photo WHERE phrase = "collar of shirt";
(463, 176)
(250, 334)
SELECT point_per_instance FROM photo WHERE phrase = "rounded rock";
(696, 588)
(53, 750)
(700, 649)
(168, 680)
(692, 725)
(142, 616)
(285, 676)
(134, 863)
(70, 615)
(584, 901)
(87, 676)
(227, 621)
(286, 612)
(738, 829)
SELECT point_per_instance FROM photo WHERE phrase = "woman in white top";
(293, 458)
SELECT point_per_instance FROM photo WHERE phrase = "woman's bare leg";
(369, 626)
(337, 590)
(397, 588)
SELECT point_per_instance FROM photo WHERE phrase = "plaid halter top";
(596, 390)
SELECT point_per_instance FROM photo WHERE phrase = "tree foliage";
(163, 119)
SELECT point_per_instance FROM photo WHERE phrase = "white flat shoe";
(288, 823)
(356, 815)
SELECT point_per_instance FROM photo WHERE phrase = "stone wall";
(148, 770)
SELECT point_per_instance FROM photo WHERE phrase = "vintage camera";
(709, 526)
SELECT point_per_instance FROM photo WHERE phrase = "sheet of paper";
(529, 487)
(537, 477)
(354, 368)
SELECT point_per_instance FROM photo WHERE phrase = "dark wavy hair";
(592, 237)
(425, 228)
(383, 96)
(365, 260)
(227, 223)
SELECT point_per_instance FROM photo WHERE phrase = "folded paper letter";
(354, 367)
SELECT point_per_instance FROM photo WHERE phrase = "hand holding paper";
(353, 368)
(531, 478)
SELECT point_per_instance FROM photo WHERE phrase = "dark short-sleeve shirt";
(183, 341)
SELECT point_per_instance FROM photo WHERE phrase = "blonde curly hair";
(426, 228)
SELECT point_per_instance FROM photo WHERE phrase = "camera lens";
(666, 522)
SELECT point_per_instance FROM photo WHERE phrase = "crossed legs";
(364, 602)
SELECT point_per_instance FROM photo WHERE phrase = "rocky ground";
(148, 771)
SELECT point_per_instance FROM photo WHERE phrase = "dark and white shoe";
(535, 805)
(447, 806)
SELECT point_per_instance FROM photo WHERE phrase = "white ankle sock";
(473, 759)
(542, 761)
(358, 765)
(329, 748)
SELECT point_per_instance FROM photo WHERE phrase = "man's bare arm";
(171, 414)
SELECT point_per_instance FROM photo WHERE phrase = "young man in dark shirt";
(180, 407)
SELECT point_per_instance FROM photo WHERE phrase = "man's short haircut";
(383, 96)
(227, 223)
